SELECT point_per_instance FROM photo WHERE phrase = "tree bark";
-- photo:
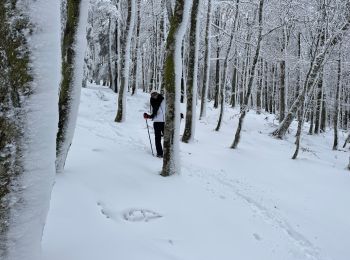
(191, 90)
(336, 105)
(69, 88)
(223, 84)
(125, 62)
(137, 49)
(204, 96)
(29, 83)
(244, 109)
(172, 84)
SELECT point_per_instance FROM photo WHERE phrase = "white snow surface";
(253, 203)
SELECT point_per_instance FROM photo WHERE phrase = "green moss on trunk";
(15, 79)
(67, 83)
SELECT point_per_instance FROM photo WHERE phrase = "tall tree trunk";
(300, 127)
(204, 96)
(110, 59)
(282, 90)
(282, 85)
(234, 84)
(172, 84)
(272, 95)
(223, 85)
(266, 87)
(319, 104)
(125, 62)
(244, 109)
(191, 90)
(217, 63)
(72, 61)
(336, 105)
(137, 50)
(259, 88)
(312, 115)
(29, 81)
(118, 55)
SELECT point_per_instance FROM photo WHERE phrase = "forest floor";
(252, 203)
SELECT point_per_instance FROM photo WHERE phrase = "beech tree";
(73, 50)
(244, 108)
(206, 77)
(192, 81)
(172, 84)
(125, 61)
(29, 79)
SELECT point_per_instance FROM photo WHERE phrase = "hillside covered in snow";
(250, 203)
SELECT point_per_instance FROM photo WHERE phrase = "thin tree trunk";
(282, 91)
(266, 88)
(110, 60)
(217, 66)
(125, 61)
(244, 109)
(192, 74)
(223, 85)
(259, 88)
(205, 86)
(137, 50)
(300, 128)
(234, 84)
(336, 106)
(319, 104)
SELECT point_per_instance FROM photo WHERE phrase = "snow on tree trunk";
(172, 84)
(192, 75)
(244, 108)
(205, 86)
(137, 50)
(223, 85)
(111, 64)
(336, 104)
(73, 51)
(29, 81)
(125, 61)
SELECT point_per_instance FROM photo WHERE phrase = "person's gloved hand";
(146, 116)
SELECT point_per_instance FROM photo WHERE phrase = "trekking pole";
(149, 136)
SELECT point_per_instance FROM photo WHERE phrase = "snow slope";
(253, 203)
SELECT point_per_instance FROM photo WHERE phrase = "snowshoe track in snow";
(239, 189)
(141, 215)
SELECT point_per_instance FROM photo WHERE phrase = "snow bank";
(250, 203)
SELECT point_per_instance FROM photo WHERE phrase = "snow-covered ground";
(253, 203)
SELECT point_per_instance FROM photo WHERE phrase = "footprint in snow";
(141, 215)
(257, 237)
(106, 211)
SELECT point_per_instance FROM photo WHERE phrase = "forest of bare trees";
(288, 58)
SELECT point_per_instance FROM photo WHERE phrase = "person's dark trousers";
(158, 131)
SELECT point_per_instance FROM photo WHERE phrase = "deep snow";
(253, 203)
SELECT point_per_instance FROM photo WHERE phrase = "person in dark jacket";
(158, 117)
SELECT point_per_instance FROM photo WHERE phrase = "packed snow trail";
(250, 203)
